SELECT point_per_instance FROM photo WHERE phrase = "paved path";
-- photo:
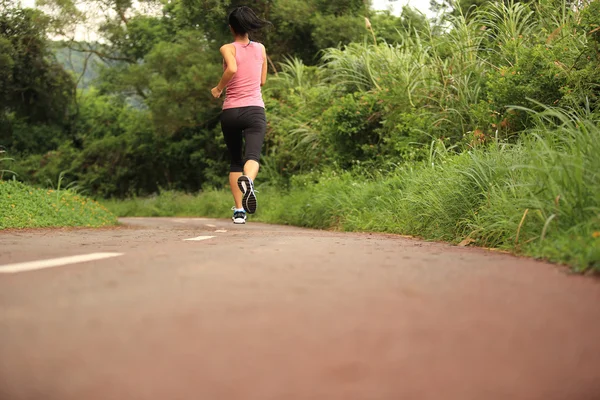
(275, 313)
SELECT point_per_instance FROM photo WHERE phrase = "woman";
(243, 119)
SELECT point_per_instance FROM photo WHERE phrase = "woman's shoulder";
(228, 46)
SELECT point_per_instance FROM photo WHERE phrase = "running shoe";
(249, 200)
(239, 216)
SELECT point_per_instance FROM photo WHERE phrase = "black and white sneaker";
(249, 200)
(239, 216)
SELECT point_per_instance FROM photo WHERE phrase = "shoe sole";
(239, 221)
(249, 201)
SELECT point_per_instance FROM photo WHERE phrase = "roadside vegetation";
(479, 127)
(22, 206)
(25, 206)
(539, 197)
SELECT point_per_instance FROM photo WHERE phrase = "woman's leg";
(235, 190)
(251, 168)
(255, 129)
(232, 133)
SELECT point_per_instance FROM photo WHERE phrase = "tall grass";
(540, 197)
(296, 76)
(170, 204)
(446, 74)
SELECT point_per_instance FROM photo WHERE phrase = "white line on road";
(186, 220)
(199, 238)
(54, 262)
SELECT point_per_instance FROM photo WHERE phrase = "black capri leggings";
(249, 124)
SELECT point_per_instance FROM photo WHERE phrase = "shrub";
(351, 129)
(23, 206)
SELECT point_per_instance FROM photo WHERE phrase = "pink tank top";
(244, 89)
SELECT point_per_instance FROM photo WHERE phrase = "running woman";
(243, 119)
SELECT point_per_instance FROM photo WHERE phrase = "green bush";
(23, 206)
(331, 30)
(22, 137)
(583, 88)
(533, 197)
(350, 129)
(170, 204)
(535, 76)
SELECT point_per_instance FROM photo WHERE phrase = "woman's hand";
(216, 92)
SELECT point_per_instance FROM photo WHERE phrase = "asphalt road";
(261, 312)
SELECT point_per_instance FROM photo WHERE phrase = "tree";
(393, 29)
(300, 27)
(34, 87)
(32, 84)
(456, 7)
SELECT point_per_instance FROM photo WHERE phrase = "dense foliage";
(149, 121)
(35, 91)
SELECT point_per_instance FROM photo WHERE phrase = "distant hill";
(75, 61)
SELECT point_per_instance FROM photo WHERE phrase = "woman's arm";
(228, 52)
(263, 78)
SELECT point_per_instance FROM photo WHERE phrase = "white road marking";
(199, 238)
(186, 220)
(54, 262)
(211, 226)
(221, 231)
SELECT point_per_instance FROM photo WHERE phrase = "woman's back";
(244, 89)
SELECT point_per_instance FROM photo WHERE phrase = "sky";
(396, 5)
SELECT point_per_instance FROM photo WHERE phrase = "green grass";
(23, 206)
(540, 197)
(213, 203)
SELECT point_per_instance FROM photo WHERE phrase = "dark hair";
(243, 20)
